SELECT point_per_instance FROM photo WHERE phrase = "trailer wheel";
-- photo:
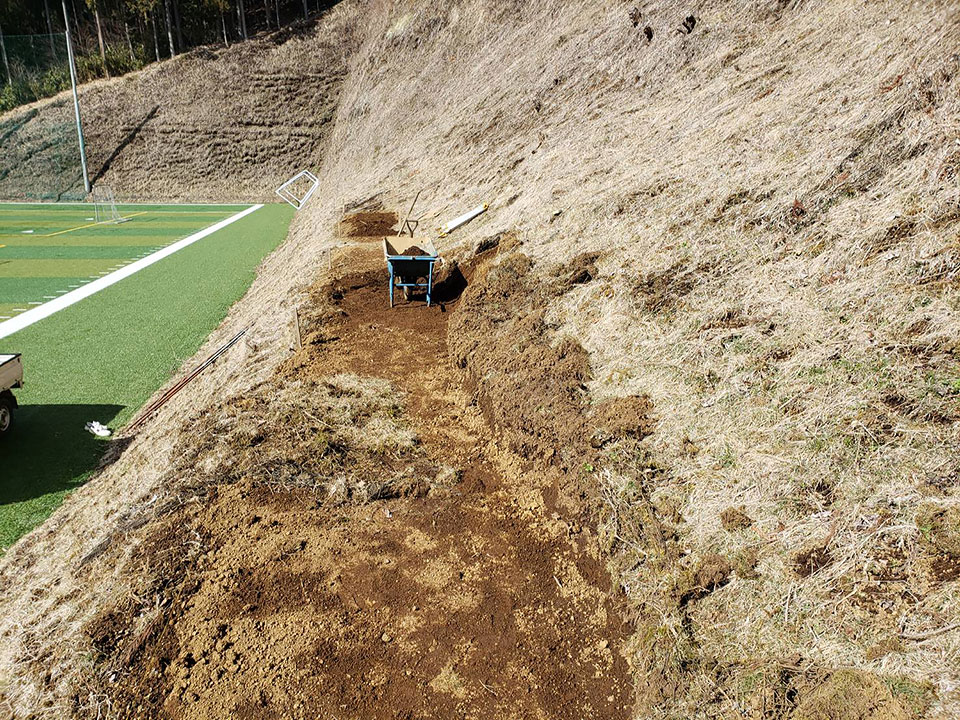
(6, 415)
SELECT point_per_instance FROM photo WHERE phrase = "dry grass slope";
(774, 201)
(214, 124)
(751, 220)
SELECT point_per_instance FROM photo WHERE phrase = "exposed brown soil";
(810, 559)
(581, 269)
(529, 383)
(735, 518)
(473, 599)
(665, 289)
(945, 568)
(369, 224)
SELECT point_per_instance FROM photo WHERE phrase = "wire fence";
(40, 154)
(38, 151)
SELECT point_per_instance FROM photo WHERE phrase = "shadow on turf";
(48, 449)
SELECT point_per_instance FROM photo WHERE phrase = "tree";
(220, 7)
(6, 63)
(176, 24)
(242, 14)
(92, 4)
(153, 24)
(145, 11)
(46, 14)
(166, 7)
(77, 35)
(126, 31)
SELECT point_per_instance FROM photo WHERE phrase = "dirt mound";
(530, 383)
(471, 598)
(369, 224)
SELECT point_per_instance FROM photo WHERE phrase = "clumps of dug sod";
(343, 436)
(529, 380)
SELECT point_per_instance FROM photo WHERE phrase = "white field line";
(123, 204)
(8, 327)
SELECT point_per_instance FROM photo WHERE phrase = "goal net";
(298, 189)
(105, 206)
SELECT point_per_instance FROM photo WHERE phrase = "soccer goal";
(105, 206)
(298, 189)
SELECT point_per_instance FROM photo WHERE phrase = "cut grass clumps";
(853, 695)
(735, 518)
(343, 437)
(940, 528)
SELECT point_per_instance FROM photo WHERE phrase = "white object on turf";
(8, 327)
(98, 429)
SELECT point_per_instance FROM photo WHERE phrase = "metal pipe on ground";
(168, 395)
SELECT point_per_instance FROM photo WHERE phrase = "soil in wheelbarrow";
(473, 599)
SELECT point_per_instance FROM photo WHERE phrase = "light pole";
(76, 99)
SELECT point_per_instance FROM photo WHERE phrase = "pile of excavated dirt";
(214, 124)
(369, 224)
(475, 595)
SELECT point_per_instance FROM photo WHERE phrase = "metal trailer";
(11, 377)
(409, 261)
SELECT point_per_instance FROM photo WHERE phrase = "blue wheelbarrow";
(410, 262)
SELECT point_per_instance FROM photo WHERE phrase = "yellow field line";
(82, 227)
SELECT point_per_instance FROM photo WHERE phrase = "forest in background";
(114, 37)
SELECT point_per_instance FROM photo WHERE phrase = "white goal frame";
(287, 194)
(105, 206)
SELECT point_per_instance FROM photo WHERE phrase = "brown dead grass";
(341, 436)
(215, 124)
(765, 209)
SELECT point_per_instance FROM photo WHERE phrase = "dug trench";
(450, 569)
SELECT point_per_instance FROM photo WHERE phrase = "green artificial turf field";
(47, 250)
(103, 357)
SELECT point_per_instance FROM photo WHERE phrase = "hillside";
(682, 442)
(214, 124)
